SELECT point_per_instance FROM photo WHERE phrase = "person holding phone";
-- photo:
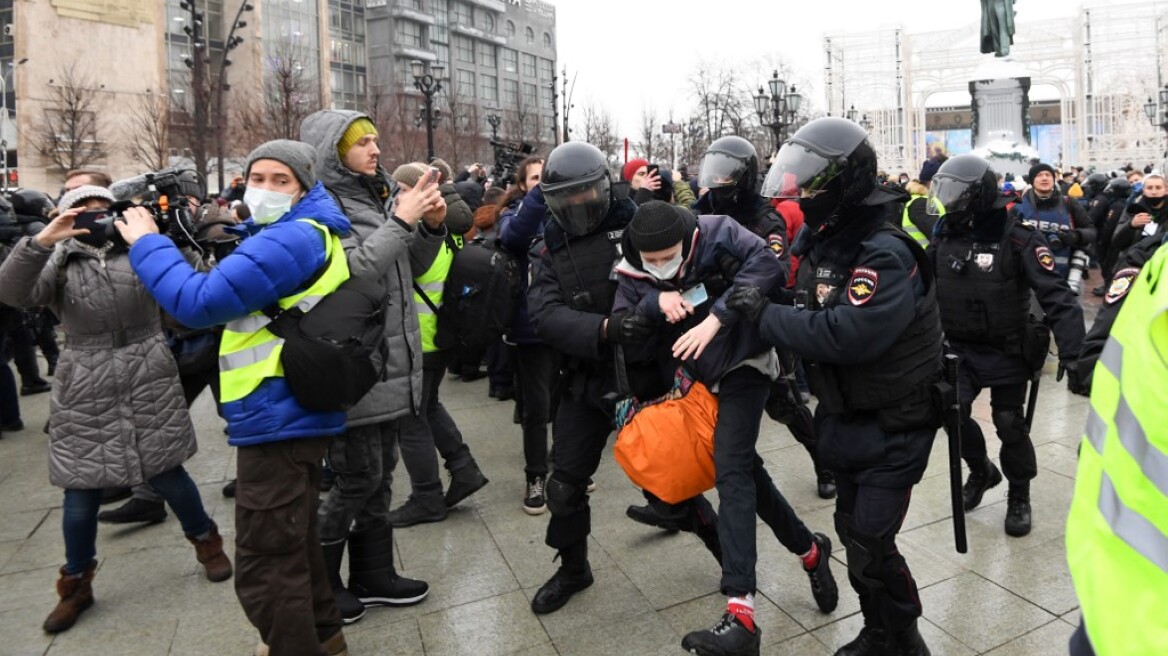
(118, 417)
(672, 256)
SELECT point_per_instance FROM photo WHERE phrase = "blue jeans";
(79, 515)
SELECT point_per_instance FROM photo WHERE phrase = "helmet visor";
(579, 208)
(947, 194)
(720, 170)
(799, 172)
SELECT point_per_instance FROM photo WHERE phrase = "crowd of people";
(814, 277)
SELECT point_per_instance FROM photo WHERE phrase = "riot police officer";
(570, 300)
(866, 325)
(986, 264)
(730, 172)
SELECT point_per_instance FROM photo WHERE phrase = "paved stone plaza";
(1007, 597)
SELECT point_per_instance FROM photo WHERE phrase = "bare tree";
(291, 90)
(70, 132)
(600, 131)
(461, 134)
(147, 131)
(650, 141)
(395, 114)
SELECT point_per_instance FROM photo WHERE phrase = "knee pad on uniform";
(866, 556)
(1010, 424)
(564, 498)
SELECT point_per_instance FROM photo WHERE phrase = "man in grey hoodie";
(390, 238)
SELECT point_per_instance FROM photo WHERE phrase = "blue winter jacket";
(519, 226)
(279, 260)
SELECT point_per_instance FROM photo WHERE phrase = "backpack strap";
(418, 288)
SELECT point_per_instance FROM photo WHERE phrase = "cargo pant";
(280, 576)
(363, 460)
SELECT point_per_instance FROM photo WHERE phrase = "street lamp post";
(1150, 109)
(5, 117)
(781, 107)
(494, 120)
(230, 44)
(429, 83)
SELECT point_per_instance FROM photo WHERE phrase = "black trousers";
(580, 433)
(1019, 463)
(536, 367)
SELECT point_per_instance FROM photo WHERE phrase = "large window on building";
(409, 33)
(489, 86)
(487, 55)
(488, 23)
(546, 69)
(466, 84)
(440, 31)
(509, 29)
(463, 15)
(510, 60)
(464, 49)
(529, 96)
(529, 34)
(443, 52)
(511, 93)
(528, 66)
(547, 40)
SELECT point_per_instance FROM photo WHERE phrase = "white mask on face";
(266, 206)
(664, 271)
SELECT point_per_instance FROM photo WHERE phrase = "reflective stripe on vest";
(249, 352)
(911, 228)
(432, 283)
(1117, 530)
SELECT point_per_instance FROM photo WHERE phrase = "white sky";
(628, 54)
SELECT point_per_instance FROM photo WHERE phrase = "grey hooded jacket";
(379, 245)
(118, 416)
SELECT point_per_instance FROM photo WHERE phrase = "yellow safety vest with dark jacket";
(1117, 531)
(911, 228)
(249, 352)
(431, 283)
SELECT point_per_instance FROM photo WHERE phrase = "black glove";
(748, 301)
(1056, 240)
(1075, 385)
(628, 328)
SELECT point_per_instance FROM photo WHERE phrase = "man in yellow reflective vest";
(432, 431)
(916, 219)
(1117, 530)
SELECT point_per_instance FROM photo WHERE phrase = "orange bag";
(668, 448)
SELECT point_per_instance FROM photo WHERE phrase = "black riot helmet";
(1095, 184)
(964, 185)
(31, 203)
(730, 162)
(1118, 189)
(577, 187)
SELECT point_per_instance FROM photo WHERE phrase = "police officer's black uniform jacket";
(757, 215)
(866, 324)
(985, 273)
(572, 288)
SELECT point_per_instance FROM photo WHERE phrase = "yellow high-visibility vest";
(431, 282)
(1117, 531)
(249, 352)
(911, 228)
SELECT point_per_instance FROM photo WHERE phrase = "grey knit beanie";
(73, 198)
(296, 155)
(409, 174)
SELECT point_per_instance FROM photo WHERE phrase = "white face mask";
(266, 206)
(665, 271)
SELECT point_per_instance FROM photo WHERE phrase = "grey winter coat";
(118, 416)
(379, 245)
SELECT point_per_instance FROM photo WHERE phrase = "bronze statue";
(997, 26)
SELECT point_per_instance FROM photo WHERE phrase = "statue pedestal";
(1000, 108)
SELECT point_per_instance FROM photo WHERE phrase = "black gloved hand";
(1056, 240)
(627, 328)
(749, 301)
(1070, 368)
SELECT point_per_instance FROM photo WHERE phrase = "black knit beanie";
(656, 226)
(1039, 168)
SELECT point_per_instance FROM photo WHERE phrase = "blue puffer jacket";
(276, 262)
(519, 226)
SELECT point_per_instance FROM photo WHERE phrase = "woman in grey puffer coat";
(118, 417)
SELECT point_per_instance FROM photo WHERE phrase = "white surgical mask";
(266, 206)
(665, 271)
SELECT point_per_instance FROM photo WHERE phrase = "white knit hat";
(75, 197)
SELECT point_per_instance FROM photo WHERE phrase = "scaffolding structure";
(1102, 65)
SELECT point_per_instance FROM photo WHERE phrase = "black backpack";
(479, 299)
(335, 352)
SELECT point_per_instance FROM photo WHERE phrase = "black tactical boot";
(982, 476)
(372, 576)
(135, 511)
(464, 482)
(418, 510)
(350, 606)
(908, 642)
(729, 637)
(1018, 510)
(872, 641)
(573, 576)
(823, 586)
(825, 483)
(648, 516)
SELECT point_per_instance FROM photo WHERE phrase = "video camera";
(508, 155)
(164, 193)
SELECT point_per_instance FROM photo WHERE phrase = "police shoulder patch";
(1120, 285)
(775, 243)
(862, 286)
(1045, 258)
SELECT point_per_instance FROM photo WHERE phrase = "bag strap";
(422, 293)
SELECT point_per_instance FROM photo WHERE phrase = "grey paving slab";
(486, 560)
(1049, 640)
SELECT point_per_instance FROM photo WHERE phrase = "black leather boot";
(350, 606)
(574, 575)
(982, 476)
(372, 576)
(1018, 510)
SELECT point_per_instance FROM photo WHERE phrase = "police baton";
(952, 413)
(1032, 402)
